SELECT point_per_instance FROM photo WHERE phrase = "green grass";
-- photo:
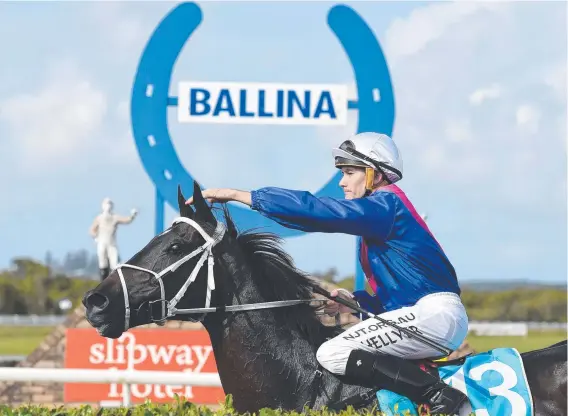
(533, 341)
(21, 340)
(180, 407)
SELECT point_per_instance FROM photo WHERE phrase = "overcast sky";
(480, 91)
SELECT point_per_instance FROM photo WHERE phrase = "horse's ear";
(201, 208)
(184, 210)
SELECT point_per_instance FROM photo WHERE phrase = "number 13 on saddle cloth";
(494, 382)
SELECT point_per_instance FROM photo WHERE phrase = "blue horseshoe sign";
(150, 101)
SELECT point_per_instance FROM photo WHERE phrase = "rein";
(247, 306)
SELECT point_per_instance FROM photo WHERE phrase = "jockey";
(415, 284)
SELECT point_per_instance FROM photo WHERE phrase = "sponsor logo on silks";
(386, 335)
(262, 103)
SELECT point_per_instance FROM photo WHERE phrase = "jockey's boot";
(380, 371)
(104, 272)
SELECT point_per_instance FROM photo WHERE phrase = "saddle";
(431, 365)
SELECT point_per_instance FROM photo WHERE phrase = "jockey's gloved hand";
(332, 308)
(133, 212)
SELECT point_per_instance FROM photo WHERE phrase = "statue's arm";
(127, 220)
(94, 227)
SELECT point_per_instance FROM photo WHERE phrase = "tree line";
(30, 287)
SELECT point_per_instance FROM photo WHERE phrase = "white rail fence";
(32, 320)
(124, 377)
(499, 328)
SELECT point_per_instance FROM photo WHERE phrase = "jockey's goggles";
(349, 147)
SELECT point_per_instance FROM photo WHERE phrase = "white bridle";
(206, 248)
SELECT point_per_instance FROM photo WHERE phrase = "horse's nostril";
(97, 300)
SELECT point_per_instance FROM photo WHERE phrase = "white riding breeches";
(440, 317)
(108, 255)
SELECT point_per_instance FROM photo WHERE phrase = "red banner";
(141, 349)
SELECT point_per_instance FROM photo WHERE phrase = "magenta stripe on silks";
(402, 196)
(364, 258)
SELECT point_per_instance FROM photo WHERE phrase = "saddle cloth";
(494, 382)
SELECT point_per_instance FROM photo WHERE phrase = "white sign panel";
(262, 103)
(499, 328)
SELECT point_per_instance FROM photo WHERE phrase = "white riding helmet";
(373, 151)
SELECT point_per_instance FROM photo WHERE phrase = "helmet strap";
(369, 178)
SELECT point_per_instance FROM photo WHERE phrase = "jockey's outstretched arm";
(370, 217)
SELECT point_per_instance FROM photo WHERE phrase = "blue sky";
(480, 92)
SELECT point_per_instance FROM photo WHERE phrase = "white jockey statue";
(103, 230)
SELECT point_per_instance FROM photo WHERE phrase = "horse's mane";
(277, 278)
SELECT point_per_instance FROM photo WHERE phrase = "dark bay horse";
(265, 357)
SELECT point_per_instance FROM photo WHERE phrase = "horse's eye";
(175, 248)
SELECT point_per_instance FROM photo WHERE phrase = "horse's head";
(173, 271)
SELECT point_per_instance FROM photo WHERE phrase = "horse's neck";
(260, 355)
(263, 359)
(261, 333)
